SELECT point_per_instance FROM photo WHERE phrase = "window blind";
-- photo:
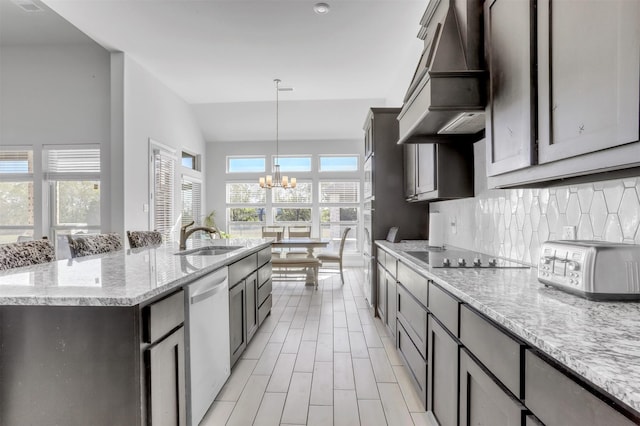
(339, 192)
(163, 193)
(12, 162)
(191, 201)
(245, 193)
(72, 163)
(300, 194)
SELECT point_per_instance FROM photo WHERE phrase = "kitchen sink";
(209, 251)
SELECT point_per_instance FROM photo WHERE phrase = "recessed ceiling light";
(321, 8)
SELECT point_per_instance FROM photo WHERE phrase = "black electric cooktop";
(458, 258)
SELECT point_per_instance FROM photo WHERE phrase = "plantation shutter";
(191, 201)
(163, 192)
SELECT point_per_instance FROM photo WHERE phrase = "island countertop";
(596, 340)
(121, 278)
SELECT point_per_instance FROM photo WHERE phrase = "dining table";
(310, 244)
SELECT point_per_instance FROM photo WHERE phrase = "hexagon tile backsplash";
(512, 223)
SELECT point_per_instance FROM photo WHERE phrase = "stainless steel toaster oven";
(597, 270)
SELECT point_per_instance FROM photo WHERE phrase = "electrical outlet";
(454, 225)
(568, 232)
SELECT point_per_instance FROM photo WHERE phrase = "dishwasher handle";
(214, 289)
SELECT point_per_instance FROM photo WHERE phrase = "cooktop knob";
(493, 263)
(477, 262)
(574, 266)
(446, 262)
(462, 262)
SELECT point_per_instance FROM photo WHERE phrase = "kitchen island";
(77, 336)
(593, 344)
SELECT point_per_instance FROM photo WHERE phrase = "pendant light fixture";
(277, 181)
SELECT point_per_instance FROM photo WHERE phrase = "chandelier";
(277, 181)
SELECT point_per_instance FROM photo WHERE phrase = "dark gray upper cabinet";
(510, 127)
(588, 84)
(440, 171)
(410, 163)
(570, 108)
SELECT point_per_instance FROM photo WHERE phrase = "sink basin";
(209, 251)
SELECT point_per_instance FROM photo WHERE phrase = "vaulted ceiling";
(221, 56)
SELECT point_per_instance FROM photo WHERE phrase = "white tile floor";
(320, 358)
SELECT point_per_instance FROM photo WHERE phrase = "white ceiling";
(221, 56)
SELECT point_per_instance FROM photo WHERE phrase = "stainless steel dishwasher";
(207, 343)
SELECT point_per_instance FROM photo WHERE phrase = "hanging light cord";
(277, 81)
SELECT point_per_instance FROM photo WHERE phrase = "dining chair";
(88, 244)
(333, 257)
(26, 253)
(139, 239)
(298, 231)
(276, 232)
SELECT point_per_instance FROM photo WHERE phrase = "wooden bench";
(297, 265)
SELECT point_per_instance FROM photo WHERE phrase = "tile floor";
(320, 358)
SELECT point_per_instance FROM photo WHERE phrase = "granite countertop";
(597, 340)
(121, 278)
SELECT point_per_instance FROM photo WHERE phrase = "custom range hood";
(446, 99)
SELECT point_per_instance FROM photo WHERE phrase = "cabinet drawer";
(243, 267)
(444, 307)
(264, 273)
(264, 256)
(497, 351)
(414, 319)
(163, 316)
(414, 360)
(391, 264)
(381, 257)
(264, 291)
(264, 309)
(557, 400)
(415, 283)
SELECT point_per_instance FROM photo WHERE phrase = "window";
(246, 164)
(16, 195)
(293, 164)
(190, 161)
(245, 209)
(339, 209)
(331, 163)
(73, 175)
(300, 194)
(291, 215)
(340, 192)
(163, 192)
(191, 201)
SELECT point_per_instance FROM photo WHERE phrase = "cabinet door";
(391, 303)
(426, 165)
(482, 401)
(237, 318)
(588, 79)
(381, 289)
(410, 170)
(166, 381)
(442, 379)
(510, 114)
(251, 308)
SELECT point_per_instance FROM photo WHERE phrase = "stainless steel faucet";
(184, 234)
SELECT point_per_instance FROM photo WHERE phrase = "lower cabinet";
(249, 298)
(237, 321)
(391, 303)
(482, 401)
(414, 361)
(164, 360)
(381, 289)
(251, 289)
(442, 374)
(166, 381)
